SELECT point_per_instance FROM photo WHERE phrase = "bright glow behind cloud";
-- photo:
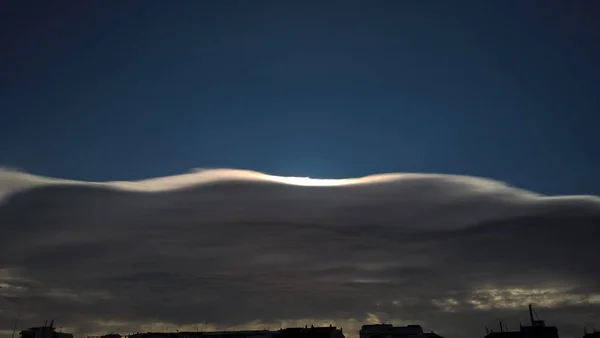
(313, 182)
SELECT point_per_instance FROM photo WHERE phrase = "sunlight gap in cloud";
(513, 298)
(312, 182)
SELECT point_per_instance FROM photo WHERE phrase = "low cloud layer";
(243, 249)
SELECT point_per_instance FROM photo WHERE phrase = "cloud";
(245, 249)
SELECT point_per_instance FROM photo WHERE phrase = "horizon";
(503, 327)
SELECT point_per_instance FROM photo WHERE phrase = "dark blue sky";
(118, 90)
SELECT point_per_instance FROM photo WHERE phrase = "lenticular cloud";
(245, 249)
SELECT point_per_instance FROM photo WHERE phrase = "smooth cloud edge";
(14, 181)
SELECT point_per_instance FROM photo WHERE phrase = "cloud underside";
(452, 253)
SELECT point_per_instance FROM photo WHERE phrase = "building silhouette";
(593, 334)
(46, 331)
(390, 331)
(311, 332)
(202, 334)
(537, 329)
(299, 332)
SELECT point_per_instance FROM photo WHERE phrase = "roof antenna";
(531, 315)
(501, 329)
(15, 327)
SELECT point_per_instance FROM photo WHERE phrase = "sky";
(130, 90)
(470, 129)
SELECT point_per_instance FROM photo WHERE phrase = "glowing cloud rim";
(12, 181)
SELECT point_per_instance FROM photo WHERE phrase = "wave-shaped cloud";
(236, 247)
(12, 180)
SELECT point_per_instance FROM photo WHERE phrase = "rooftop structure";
(537, 329)
(46, 331)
